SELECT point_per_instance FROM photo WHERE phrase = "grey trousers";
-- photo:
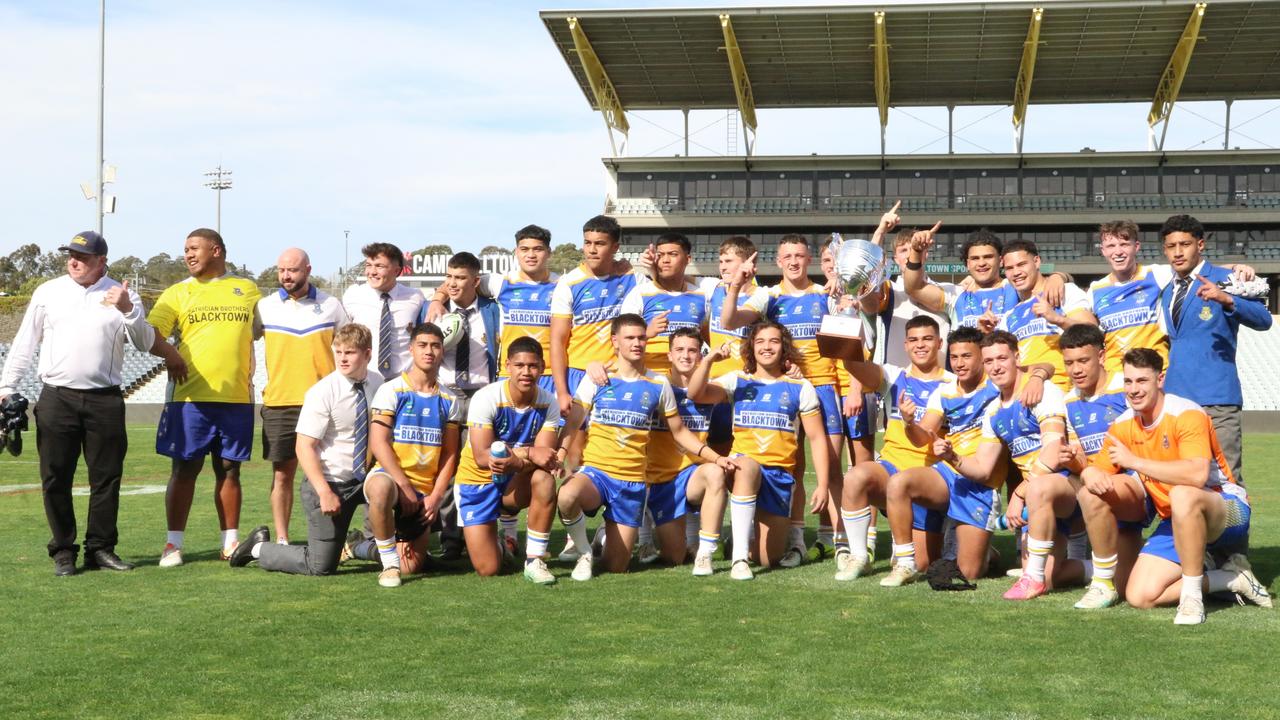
(325, 534)
(1226, 425)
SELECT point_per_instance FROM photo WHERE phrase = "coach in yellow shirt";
(209, 410)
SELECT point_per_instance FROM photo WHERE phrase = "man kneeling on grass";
(333, 452)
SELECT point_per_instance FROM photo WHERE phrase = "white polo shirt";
(81, 340)
(364, 305)
(329, 415)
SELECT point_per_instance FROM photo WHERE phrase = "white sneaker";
(1097, 597)
(1190, 612)
(570, 553)
(850, 568)
(792, 558)
(389, 578)
(582, 571)
(1013, 572)
(702, 565)
(900, 575)
(1245, 585)
(171, 556)
(536, 572)
(647, 554)
(741, 570)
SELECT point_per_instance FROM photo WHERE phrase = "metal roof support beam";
(1022, 86)
(881, 47)
(741, 82)
(601, 86)
(1174, 72)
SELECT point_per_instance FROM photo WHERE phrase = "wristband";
(912, 265)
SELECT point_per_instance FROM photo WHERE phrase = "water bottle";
(499, 449)
(1002, 522)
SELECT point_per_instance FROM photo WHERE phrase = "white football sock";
(857, 523)
(174, 538)
(742, 520)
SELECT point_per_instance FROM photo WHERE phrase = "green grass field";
(207, 641)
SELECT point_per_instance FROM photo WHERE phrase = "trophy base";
(840, 338)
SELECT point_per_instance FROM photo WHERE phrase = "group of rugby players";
(607, 400)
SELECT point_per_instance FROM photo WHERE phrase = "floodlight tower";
(219, 180)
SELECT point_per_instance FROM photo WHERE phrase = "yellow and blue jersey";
(591, 303)
(895, 381)
(525, 307)
(801, 313)
(1038, 338)
(518, 427)
(620, 417)
(965, 306)
(1089, 418)
(751, 295)
(1018, 427)
(298, 334)
(687, 308)
(418, 422)
(766, 416)
(666, 459)
(1129, 313)
(961, 414)
(212, 321)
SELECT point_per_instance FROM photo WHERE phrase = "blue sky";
(408, 122)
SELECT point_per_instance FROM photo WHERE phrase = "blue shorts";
(574, 378)
(971, 503)
(623, 501)
(478, 504)
(1160, 544)
(830, 407)
(922, 518)
(859, 426)
(190, 430)
(721, 430)
(774, 495)
(668, 501)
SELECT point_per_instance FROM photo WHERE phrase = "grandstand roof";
(939, 54)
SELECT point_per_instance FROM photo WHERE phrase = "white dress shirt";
(364, 305)
(328, 414)
(478, 363)
(81, 339)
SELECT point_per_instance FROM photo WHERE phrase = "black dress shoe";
(64, 563)
(243, 554)
(105, 559)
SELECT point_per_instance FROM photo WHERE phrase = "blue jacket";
(1202, 348)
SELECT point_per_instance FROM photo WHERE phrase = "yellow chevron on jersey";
(525, 306)
(620, 418)
(418, 421)
(766, 415)
(591, 303)
(961, 416)
(895, 380)
(1129, 313)
(519, 427)
(801, 314)
(666, 458)
(685, 308)
(298, 334)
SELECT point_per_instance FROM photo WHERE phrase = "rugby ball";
(450, 325)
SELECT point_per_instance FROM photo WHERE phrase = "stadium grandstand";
(884, 55)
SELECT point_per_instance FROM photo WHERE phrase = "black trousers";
(69, 422)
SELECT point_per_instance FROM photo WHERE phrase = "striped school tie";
(360, 456)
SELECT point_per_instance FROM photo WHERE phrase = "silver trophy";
(860, 266)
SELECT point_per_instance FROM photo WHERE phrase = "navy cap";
(87, 242)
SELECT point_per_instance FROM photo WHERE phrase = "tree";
(126, 268)
(434, 250)
(267, 278)
(565, 257)
(494, 250)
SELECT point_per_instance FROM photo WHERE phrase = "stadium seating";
(1257, 357)
(138, 369)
